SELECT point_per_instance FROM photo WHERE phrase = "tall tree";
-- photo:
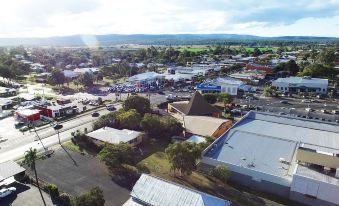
(30, 160)
(183, 156)
(225, 98)
(116, 154)
(86, 79)
(141, 104)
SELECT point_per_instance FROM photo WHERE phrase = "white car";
(7, 191)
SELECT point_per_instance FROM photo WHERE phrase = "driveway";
(26, 195)
(75, 173)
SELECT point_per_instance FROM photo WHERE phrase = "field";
(193, 49)
(262, 49)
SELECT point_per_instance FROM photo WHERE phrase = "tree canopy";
(116, 154)
(183, 156)
(140, 104)
(211, 98)
(129, 119)
(94, 197)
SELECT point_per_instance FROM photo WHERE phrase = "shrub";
(220, 172)
(66, 198)
(53, 190)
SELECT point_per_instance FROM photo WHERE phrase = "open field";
(193, 49)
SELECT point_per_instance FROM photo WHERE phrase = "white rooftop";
(114, 136)
(302, 80)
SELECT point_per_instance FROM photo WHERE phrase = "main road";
(13, 148)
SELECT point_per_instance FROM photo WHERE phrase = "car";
(236, 111)
(309, 109)
(95, 114)
(306, 101)
(335, 111)
(7, 191)
(110, 107)
(282, 113)
(19, 124)
(324, 111)
(161, 93)
(283, 101)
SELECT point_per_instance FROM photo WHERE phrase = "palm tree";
(30, 158)
(226, 99)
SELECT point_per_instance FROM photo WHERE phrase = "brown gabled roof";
(196, 106)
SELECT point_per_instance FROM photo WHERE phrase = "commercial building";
(151, 190)
(222, 85)
(29, 115)
(301, 84)
(265, 68)
(292, 157)
(146, 79)
(115, 136)
(8, 170)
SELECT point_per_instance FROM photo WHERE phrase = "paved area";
(26, 195)
(75, 173)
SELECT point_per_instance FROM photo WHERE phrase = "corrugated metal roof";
(114, 136)
(203, 125)
(9, 169)
(303, 81)
(159, 192)
(316, 175)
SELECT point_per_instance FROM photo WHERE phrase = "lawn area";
(193, 49)
(262, 49)
(114, 80)
(73, 147)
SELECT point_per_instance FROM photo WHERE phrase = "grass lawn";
(114, 80)
(73, 147)
(262, 49)
(193, 49)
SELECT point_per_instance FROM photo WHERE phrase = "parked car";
(110, 107)
(283, 101)
(95, 114)
(306, 101)
(309, 109)
(335, 111)
(324, 111)
(19, 124)
(7, 191)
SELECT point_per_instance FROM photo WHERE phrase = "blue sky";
(42, 18)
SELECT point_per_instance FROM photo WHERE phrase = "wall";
(322, 191)
(222, 129)
(317, 158)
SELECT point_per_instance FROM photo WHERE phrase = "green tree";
(256, 52)
(269, 91)
(225, 98)
(326, 57)
(57, 77)
(220, 172)
(129, 119)
(172, 126)
(114, 155)
(183, 156)
(152, 125)
(86, 79)
(211, 97)
(319, 71)
(30, 160)
(94, 197)
(141, 104)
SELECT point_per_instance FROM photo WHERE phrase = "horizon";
(43, 18)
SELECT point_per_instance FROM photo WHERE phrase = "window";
(281, 88)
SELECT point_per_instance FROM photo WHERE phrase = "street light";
(57, 128)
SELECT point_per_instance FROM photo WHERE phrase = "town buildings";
(301, 84)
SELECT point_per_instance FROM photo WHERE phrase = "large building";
(150, 190)
(223, 85)
(287, 156)
(301, 84)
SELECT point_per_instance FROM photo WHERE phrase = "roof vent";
(284, 161)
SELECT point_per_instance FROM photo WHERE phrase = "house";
(115, 136)
(151, 190)
(8, 170)
(70, 74)
(29, 115)
(292, 157)
(197, 106)
(301, 84)
(206, 126)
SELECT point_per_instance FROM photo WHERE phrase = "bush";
(221, 172)
(53, 190)
(66, 198)
(94, 197)
(211, 98)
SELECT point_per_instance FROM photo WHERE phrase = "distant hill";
(111, 39)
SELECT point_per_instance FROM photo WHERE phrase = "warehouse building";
(301, 84)
(291, 157)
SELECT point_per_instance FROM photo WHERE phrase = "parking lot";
(26, 195)
(75, 173)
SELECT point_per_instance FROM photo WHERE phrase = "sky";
(44, 18)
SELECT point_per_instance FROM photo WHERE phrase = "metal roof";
(155, 191)
(263, 138)
(9, 169)
(203, 125)
(302, 80)
(316, 175)
(114, 136)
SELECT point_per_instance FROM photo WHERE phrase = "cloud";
(69, 17)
